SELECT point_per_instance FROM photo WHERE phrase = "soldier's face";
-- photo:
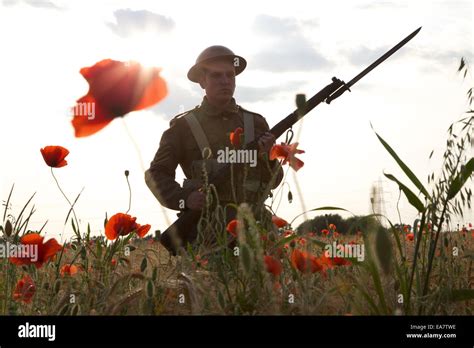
(218, 79)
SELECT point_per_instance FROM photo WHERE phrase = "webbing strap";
(249, 132)
(198, 133)
(200, 136)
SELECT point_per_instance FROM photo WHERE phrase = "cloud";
(289, 55)
(179, 99)
(34, 3)
(375, 5)
(275, 26)
(362, 56)
(130, 22)
(445, 57)
(248, 94)
(290, 50)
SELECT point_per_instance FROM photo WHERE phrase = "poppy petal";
(273, 265)
(111, 230)
(143, 230)
(85, 125)
(118, 88)
(155, 91)
(50, 248)
(232, 228)
(32, 238)
(279, 222)
(54, 156)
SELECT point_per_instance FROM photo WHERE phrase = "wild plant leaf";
(21, 214)
(72, 206)
(284, 241)
(245, 257)
(412, 198)
(143, 264)
(461, 179)
(383, 250)
(404, 167)
(7, 202)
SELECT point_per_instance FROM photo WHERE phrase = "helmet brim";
(239, 63)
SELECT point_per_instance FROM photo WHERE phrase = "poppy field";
(378, 267)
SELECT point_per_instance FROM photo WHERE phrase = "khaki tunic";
(179, 147)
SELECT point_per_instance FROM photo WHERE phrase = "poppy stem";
(67, 199)
(129, 192)
(163, 211)
(132, 139)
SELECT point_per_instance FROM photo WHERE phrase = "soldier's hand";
(196, 200)
(265, 142)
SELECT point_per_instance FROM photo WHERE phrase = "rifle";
(184, 229)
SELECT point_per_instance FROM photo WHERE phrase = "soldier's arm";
(160, 177)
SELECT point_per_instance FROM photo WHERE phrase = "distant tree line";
(350, 225)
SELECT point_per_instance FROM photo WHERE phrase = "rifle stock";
(184, 229)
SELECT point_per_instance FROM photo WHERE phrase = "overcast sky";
(291, 47)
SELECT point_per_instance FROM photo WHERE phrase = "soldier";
(195, 138)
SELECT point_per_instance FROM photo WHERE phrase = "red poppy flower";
(54, 156)
(68, 270)
(279, 222)
(273, 265)
(287, 154)
(305, 262)
(316, 264)
(232, 227)
(325, 232)
(332, 227)
(406, 229)
(410, 236)
(201, 262)
(301, 241)
(235, 136)
(113, 262)
(24, 290)
(325, 262)
(115, 89)
(123, 224)
(43, 253)
(299, 260)
(339, 261)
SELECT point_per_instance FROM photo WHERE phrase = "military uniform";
(182, 145)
